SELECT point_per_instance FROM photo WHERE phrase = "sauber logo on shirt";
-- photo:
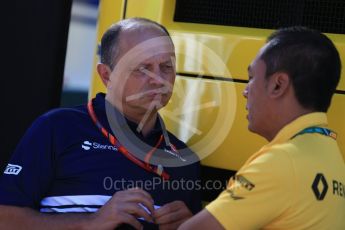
(13, 169)
(87, 145)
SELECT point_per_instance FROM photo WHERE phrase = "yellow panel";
(336, 118)
(196, 53)
(341, 48)
(144, 8)
(211, 117)
(339, 41)
(239, 143)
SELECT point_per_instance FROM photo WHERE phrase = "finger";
(132, 191)
(131, 220)
(175, 215)
(140, 191)
(148, 205)
(133, 196)
(144, 203)
(140, 196)
(168, 208)
(138, 211)
(169, 218)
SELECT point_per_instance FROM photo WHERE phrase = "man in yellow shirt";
(297, 180)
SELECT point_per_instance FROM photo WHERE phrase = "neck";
(145, 121)
(286, 117)
(143, 118)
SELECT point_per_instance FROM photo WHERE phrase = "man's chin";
(153, 105)
(158, 104)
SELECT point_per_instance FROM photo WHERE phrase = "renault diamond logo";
(320, 186)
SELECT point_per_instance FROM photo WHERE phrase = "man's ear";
(104, 72)
(278, 84)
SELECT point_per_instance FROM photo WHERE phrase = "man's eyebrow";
(142, 64)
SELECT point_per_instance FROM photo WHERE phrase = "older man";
(112, 158)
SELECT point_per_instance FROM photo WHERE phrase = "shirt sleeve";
(260, 192)
(29, 172)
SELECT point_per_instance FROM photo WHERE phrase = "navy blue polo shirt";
(65, 164)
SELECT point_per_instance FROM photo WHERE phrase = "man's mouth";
(152, 93)
(156, 92)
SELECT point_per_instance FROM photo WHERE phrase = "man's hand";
(172, 215)
(123, 208)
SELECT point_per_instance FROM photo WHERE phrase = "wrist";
(88, 223)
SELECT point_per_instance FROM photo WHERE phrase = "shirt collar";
(291, 129)
(297, 125)
(99, 106)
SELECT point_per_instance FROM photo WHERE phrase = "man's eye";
(141, 69)
(167, 67)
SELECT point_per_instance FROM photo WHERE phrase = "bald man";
(110, 163)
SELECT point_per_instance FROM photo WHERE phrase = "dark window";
(325, 15)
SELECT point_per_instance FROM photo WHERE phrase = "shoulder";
(274, 167)
(56, 117)
(58, 130)
(277, 157)
(57, 121)
(61, 113)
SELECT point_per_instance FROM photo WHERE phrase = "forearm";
(12, 217)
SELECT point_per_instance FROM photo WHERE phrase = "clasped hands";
(125, 207)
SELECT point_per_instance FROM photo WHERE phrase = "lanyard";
(322, 131)
(159, 170)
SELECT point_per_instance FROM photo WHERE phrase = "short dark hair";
(311, 61)
(110, 39)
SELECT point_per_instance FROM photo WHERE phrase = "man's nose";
(155, 76)
(156, 79)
